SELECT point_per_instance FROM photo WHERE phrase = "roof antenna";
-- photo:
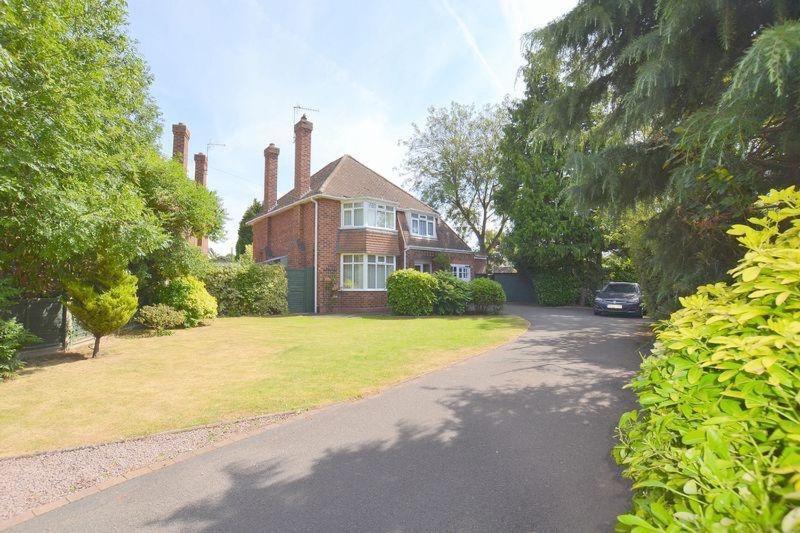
(297, 108)
(209, 146)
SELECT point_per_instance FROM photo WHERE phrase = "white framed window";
(423, 225)
(461, 272)
(424, 267)
(368, 214)
(366, 272)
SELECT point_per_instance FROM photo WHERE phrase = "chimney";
(200, 169)
(302, 156)
(180, 143)
(270, 176)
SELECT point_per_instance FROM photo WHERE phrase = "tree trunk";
(96, 347)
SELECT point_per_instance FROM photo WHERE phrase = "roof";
(446, 238)
(346, 177)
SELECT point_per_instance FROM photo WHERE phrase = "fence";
(51, 321)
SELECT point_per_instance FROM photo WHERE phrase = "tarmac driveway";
(517, 439)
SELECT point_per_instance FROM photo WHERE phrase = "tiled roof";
(346, 177)
(445, 237)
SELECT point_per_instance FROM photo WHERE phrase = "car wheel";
(597, 313)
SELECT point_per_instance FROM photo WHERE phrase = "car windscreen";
(625, 288)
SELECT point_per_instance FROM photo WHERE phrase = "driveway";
(517, 439)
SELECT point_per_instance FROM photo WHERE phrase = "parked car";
(619, 298)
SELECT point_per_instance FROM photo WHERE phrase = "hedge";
(160, 317)
(247, 288)
(556, 288)
(410, 292)
(715, 444)
(452, 295)
(189, 294)
(487, 296)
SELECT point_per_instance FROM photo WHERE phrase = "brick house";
(353, 227)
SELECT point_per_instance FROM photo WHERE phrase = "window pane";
(358, 276)
(381, 220)
(358, 217)
(370, 216)
(371, 258)
(371, 276)
(381, 277)
(347, 276)
(348, 218)
(414, 225)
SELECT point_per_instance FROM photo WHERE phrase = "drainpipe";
(316, 232)
(403, 238)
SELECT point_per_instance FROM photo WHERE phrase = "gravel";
(29, 481)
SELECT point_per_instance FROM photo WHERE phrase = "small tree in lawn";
(103, 305)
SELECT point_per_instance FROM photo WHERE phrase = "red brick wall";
(478, 266)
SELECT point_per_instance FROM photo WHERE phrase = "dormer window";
(368, 214)
(423, 225)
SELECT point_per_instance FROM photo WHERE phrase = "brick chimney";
(200, 169)
(302, 156)
(180, 143)
(270, 176)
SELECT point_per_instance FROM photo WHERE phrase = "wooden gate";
(301, 290)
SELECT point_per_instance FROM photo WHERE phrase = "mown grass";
(233, 368)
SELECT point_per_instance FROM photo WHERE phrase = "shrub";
(189, 294)
(716, 442)
(618, 268)
(441, 261)
(487, 295)
(160, 317)
(12, 337)
(247, 288)
(452, 294)
(103, 305)
(411, 293)
(556, 288)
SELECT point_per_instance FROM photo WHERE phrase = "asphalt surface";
(517, 439)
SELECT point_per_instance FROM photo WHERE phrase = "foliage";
(715, 442)
(160, 317)
(103, 305)
(486, 296)
(410, 292)
(549, 232)
(617, 268)
(556, 287)
(246, 232)
(247, 288)
(689, 106)
(454, 164)
(452, 294)
(12, 337)
(189, 294)
(441, 261)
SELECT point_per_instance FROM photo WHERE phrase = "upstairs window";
(368, 214)
(423, 225)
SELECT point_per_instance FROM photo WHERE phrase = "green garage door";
(301, 290)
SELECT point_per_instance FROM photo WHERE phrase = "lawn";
(233, 368)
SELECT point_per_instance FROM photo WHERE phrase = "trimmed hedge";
(189, 294)
(715, 445)
(452, 294)
(160, 317)
(411, 293)
(556, 288)
(249, 289)
(487, 296)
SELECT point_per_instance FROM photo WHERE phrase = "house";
(352, 228)
(180, 151)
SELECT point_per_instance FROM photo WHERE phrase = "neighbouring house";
(351, 228)
(180, 151)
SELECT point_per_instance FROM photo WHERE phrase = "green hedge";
(189, 294)
(452, 294)
(487, 296)
(411, 293)
(160, 317)
(556, 288)
(249, 289)
(715, 445)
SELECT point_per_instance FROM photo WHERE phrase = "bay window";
(461, 271)
(366, 271)
(367, 214)
(423, 225)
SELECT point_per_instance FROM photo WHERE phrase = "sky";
(233, 70)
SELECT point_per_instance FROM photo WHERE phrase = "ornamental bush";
(452, 294)
(715, 444)
(556, 287)
(411, 293)
(189, 294)
(247, 288)
(487, 296)
(160, 317)
(12, 337)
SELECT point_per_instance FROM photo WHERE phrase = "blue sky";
(233, 70)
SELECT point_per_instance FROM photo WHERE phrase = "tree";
(103, 305)
(454, 166)
(245, 231)
(548, 233)
(689, 106)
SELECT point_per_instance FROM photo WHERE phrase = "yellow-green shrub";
(189, 294)
(716, 443)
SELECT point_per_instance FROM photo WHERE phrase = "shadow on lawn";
(504, 458)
